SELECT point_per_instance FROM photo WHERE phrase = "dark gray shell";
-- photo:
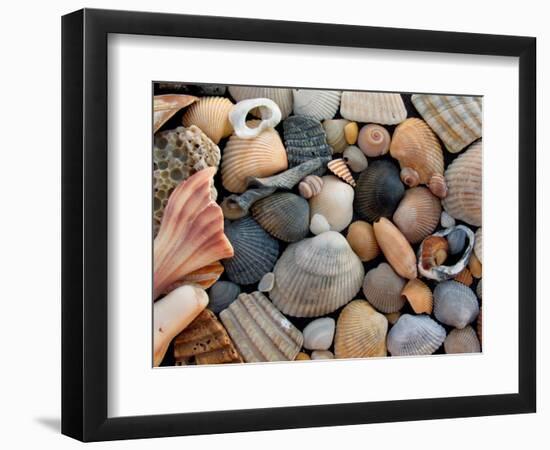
(221, 295)
(455, 304)
(456, 240)
(415, 335)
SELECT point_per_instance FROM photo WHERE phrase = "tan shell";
(362, 240)
(382, 288)
(374, 140)
(478, 245)
(334, 130)
(204, 277)
(393, 317)
(475, 266)
(334, 202)
(351, 131)
(281, 96)
(462, 340)
(376, 107)
(419, 296)
(310, 186)
(339, 168)
(302, 357)
(211, 115)
(165, 106)
(465, 277)
(396, 248)
(355, 158)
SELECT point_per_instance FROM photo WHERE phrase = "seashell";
(462, 341)
(204, 277)
(455, 304)
(479, 289)
(446, 220)
(479, 326)
(260, 332)
(221, 295)
(478, 245)
(282, 97)
(464, 182)
(418, 214)
(419, 296)
(455, 119)
(319, 104)
(316, 276)
(305, 139)
(310, 186)
(382, 288)
(465, 277)
(165, 106)
(205, 341)
(379, 191)
(334, 202)
(374, 140)
(417, 149)
(393, 317)
(283, 215)
(171, 314)
(378, 107)
(191, 233)
(360, 332)
(211, 115)
(319, 333)
(475, 266)
(351, 132)
(415, 335)
(335, 132)
(261, 156)
(239, 112)
(322, 354)
(355, 158)
(456, 240)
(319, 224)
(302, 357)
(267, 282)
(339, 168)
(362, 240)
(396, 248)
(255, 251)
(435, 250)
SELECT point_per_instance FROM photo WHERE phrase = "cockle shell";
(455, 304)
(319, 333)
(222, 294)
(374, 140)
(464, 182)
(239, 112)
(339, 168)
(334, 202)
(310, 186)
(351, 131)
(260, 332)
(360, 332)
(281, 96)
(319, 104)
(396, 248)
(465, 277)
(211, 115)
(165, 106)
(362, 240)
(478, 244)
(334, 130)
(255, 251)
(455, 119)
(318, 224)
(419, 296)
(382, 288)
(376, 107)
(462, 340)
(261, 156)
(415, 335)
(316, 276)
(355, 158)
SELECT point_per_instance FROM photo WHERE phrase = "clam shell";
(360, 332)
(377, 107)
(362, 240)
(455, 304)
(165, 106)
(374, 140)
(239, 112)
(281, 96)
(319, 104)
(310, 186)
(319, 224)
(255, 251)
(319, 333)
(211, 115)
(335, 132)
(382, 288)
(339, 168)
(334, 202)
(462, 341)
(316, 276)
(478, 245)
(351, 131)
(222, 294)
(419, 296)
(355, 158)
(415, 335)
(260, 332)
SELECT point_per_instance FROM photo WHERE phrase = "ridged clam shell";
(319, 104)
(419, 296)
(374, 140)
(283, 215)
(362, 240)
(319, 333)
(310, 186)
(464, 181)
(281, 96)
(478, 245)
(351, 131)
(239, 112)
(376, 107)
(334, 202)
(455, 119)
(415, 335)
(316, 276)
(222, 294)
(334, 130)
(339, 168)
(382, 288)
(255, 251)
(211, 115)
(260, 332)
(462, 341)
(165, 106)
(465, 277)
(455, 304)
(355, 158)
(360, 332)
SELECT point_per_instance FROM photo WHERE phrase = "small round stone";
(319, 333)
(302, 357)
(319, 224)
(322, 354)
(267, 282)
(447, 221)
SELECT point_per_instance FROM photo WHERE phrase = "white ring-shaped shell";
(238, 114)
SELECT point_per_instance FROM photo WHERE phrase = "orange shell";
(339, 168)
(211, 115)
(465, 277)
(165, 106)
(475, 266)
(396, 248)
(419, 295)
(435, 250)
(362, 240)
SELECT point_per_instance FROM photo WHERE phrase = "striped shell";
(415, 335)
(339, 168)
(419, 296)
(165, 106)
(362, 240)
(478, 245)
(221, 295)
(374, 140)
(376, 107)
(281, 96)
(382, 288)
(355, 158)
(334, 202)
(455, 304)
(463, 340)
(319, 104)
(211, 115)
(335, 132)
(310, 186)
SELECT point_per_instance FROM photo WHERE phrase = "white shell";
(319, 104)
(334, 202)
(318, 224)
(281, 96)
(322, 354)
(267, 282)
(318, 335)
(373, 107)
(447, 221)
(238, 113)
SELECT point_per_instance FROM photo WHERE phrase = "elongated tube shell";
(396, 248)
(211, 115)
(415, 335)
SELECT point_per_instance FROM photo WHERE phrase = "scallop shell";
(319, 333)
(462, 341)
(419, 296)
(396, 248)
(334, 202)
(455, 119)
(310, 186)
(478, 245)
(211, 115)
(316, 276)
(464, 182)
(379, 191)
(351, 131)
(377, 107)
(415, 335)
(221, 295)
(255, 251)
(455, 304)
(360, 332)
(281, 96)
(260, 332)
(355, 158)
(339, 168)
(382, 288)
(319, 104)
(465, 277)
(362, 240)
(165, 106)
(239, 112)
(283, 215)
(374, 140)
(334, 130)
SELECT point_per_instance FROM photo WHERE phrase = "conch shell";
(396, 248)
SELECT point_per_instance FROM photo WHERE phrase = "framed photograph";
(273, 224)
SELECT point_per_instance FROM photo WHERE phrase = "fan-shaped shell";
(222, 294)
(239, 112)
(415, 335)
(360, 332)
(339, 168)
(382, 288)
(355, 158)
(281, 96)
(374, 140)
(465, 277)
(396, 248)
(419, 296)
(165, 106)
(335, 132)
(310, 186)
(478, 245)
(455, 304)
(316, 276)
(211, 115)
(362, 240)
(319, 104)
(319, 333)
(462, 341)
(378, 107)
(334, 202)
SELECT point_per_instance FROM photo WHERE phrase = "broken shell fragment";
(239, 112)
(281, 96)
(419, 296)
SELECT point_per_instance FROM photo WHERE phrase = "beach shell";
(378, 107)
(322, 354)
(283, 215)
(446, 220)
(435, 250)
(316, 276)
(261, 156)
(319, 333)
(418, 214)
(464, 182)
(211, 115)
(362, 240)
(281, 96)
(319, 224)
(437, 185)
(419, 296)
(335, 132)
(465, 277)
(267, 282)
(374, 140)
(334, 202)
(457, 241)
(393, 317)
(479, 325)
(239, 112)
(351, 131)
(339, 168)
(355, 158)
(396, 248)
(382, 288)
(479, 289)
(221, 295)
(310, 186)
(255, 251)
(204, 277)
(302, 357)
(478, 245)
(475, 266)
(360, 332)
(319, 104)
(455, 119)
(260, 332)
(462, 340)
(165, 106)
(379, 191)
(455, 304)
(415, 335)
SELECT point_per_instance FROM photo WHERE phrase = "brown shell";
(396, 248)
(211, 115)
(419, 296)
(462, 340)
(382, 288)
(393, 317)
(475, 266)
(339, 168)
(374, 140)
(465, 277)
(362, 240)
(302, 357)
(165, 106)
(435, 250)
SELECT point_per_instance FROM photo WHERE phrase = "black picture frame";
(84, 224)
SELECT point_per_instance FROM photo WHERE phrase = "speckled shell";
(339, 168)
(462, 340)
(355, 158)
(455, 304)
(316, 276)
(260, 332)
(283, 97)
(310, 186)
(334, 130)
(374, 140)
(222, 294)
(360, 332)
(478, 245)
(419, 296)
(319, 104)
(415, 335)
(376, 107)
(334, 202)
(165, 106)
(396, 248)
(211, 115)
(382, 288)
(319, 333)
(362, 240)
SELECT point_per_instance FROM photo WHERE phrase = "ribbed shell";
(464, 181)
(334, 130)
(310, 186)
(462, 341)
(221, 295)
(334, 202)
(415, 335)
(455, 304)
(260, 332)
(382, 288)
(478, 245)
(281, 96)
(339, 168)
(362, 240)
(165, 106)
(376, 107)
(211, 115)
(465, 277)
(419, 296)
(316, 276)
(360, 332)
(255, 251)
(319, 104)
(374, 140)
